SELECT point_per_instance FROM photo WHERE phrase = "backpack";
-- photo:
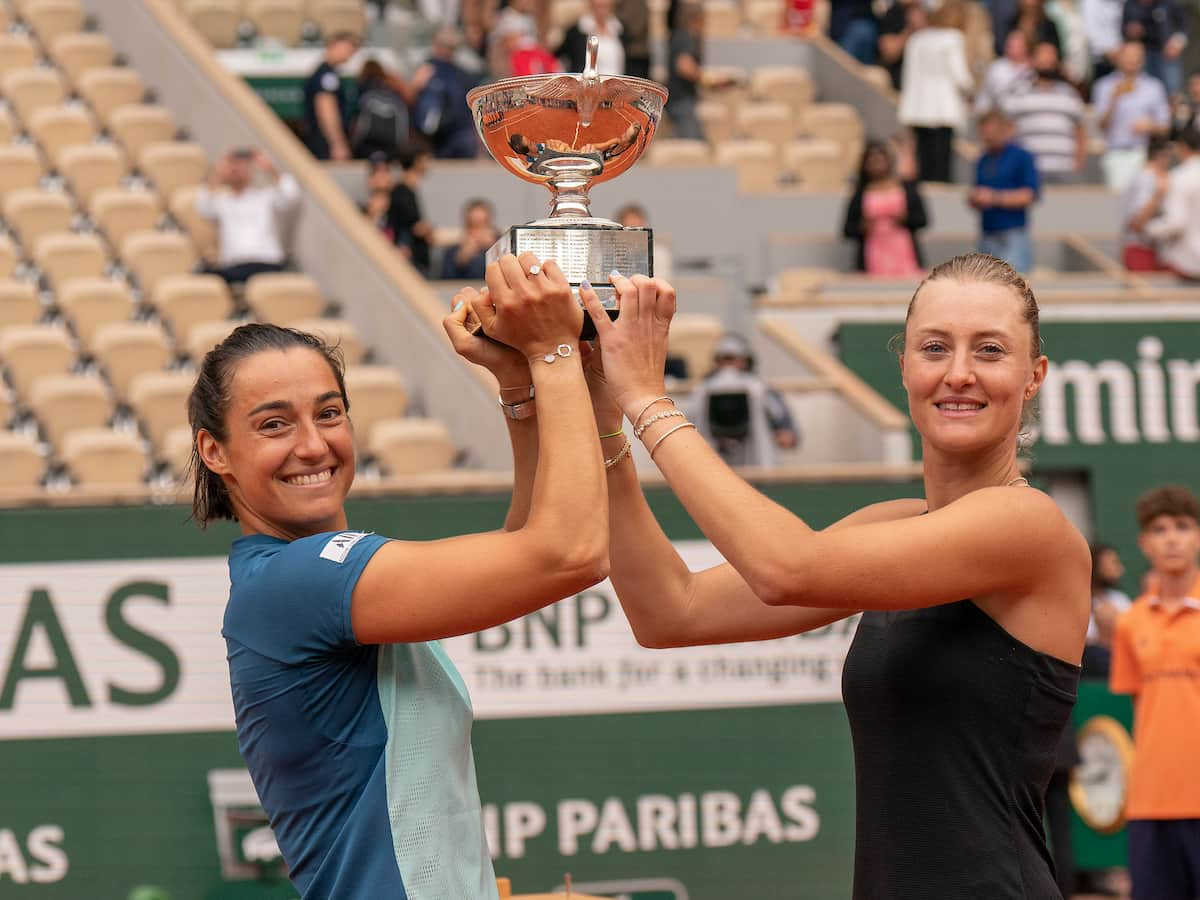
(382, 121)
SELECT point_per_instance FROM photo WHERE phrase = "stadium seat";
(767, 121)
(91, 303)
(90, 167)
(333, 16)
(20, 167)
(30, 351)
(176, 449)
(75, 54)
(765, 15)
(202, 231)
(33, 212)
(276, 20)
(283, 298)
(411, 446)
(21, 465)
(337, 332)
(109, 88)
(63, 257)
(216, 20)
(17, 51)
(28, 90)
(64, 403)
(119, 212)
(693, 338)
(203, 336)
(173, 164)
(679, 153)
(716, 120)
(51, 18)
(57, 127)
(9, 256)
(151, 255)
(835, 122)
(185, 301)
(784, 84)
(138, 125)
(6, 408)
(803, 282)
(879, 77)
(103, 457)
(818, 165)
(8, 128)
(123, 349)
(19, 304)
(722, 19)
(160, 401)
(376, 393)
(756, 163)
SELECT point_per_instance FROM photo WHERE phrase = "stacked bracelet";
(668, 434)
(657, 417)
(638, 417)
(621, 454)
(613, 434)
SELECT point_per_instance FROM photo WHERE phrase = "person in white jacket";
(934, 84)
(1177, 230)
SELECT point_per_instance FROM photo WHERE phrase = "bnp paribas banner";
(693, 774)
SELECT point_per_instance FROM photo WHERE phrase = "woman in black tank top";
(962, 674)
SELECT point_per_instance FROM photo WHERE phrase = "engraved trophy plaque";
(568, 132)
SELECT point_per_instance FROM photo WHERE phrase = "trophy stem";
(570, 196)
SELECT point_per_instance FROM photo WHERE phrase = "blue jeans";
(1012, 246)
(858, 37)
(1168, 71)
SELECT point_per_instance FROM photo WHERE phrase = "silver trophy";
(568, 132)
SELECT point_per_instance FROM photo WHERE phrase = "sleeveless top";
(955, 725)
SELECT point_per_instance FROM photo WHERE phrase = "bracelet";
(657, 417)
(648, 405)
(527, 393)
(518, 411)
(668, 434)
(621, 454)
(562, 351)
(614, 434)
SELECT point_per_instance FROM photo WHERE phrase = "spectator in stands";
(327, 103)
(466, 261)
(381, 112)
(631, 215)
(1102, 25)
(1130, 107)
(1161, 26)
(934, 85)
(248, 218)
(1074, 56)
(440, 86)
(896, 26)
(686, 72)
(634, 16)
(527, 57)
(1032, 21)
(1156, 658)
(1006, 185)
(380, 184)
(1187, 108)
(852, 27)
(411, 231)
(1108, 602)
(1048, 117)
(600, 21)
(884, 215)
(517, 18)
(1006, 73)
(1177, 229)
(1142, 202)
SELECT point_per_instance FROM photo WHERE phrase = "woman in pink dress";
(883, 215)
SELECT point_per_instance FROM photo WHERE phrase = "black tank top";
(955, 724)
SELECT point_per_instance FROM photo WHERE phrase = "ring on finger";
(535, 269)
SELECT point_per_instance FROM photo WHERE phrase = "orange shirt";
(1156, 657)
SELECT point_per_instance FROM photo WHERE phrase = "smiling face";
(968, 364)
(288, 456)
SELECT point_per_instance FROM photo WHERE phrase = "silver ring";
(535, 269)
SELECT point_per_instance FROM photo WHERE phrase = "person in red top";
(1156, 658)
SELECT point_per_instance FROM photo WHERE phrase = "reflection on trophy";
(569, 132)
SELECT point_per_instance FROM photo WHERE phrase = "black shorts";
(1164, 859)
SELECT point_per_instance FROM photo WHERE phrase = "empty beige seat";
(276, 20)
(803, 282)
(693, 338)
(767, 121)
(31, 351)
(333, 16)
(284, 297)
(203, 336)
(64, 403)
(106, 89)
(172, 165)
(119, 212)
(756, 163)
(160, 401)
(176, 450)
(152, 255)
(716, 121)
(64, 257)
(679, 153)
(89, 168)
(8, 128)
(6, 408)
(92, 303)
(376, 393)
(124, 349)
(33, 212)
(57, 127)
(765, 15)
(338, 333)
(878, 77)
(75, 54)
(16, 52)
(20, 167)
(835, 122)
(19, 304)
(138, 125)
(818, 165)
(791, 85)
(185, 301)
(28, 90)
(52, 18)
(216, 20)
(9, 256)
(103, 457)
(722, 19)
(21, 465)
(202, 231)
(726, 84)
(411, 446)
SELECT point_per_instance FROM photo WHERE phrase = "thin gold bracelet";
(668, 434)
(621, 454)
(638, 417)
(657, 417)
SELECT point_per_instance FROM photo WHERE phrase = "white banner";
(135, 646)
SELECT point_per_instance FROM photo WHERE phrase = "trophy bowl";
(568, 132)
